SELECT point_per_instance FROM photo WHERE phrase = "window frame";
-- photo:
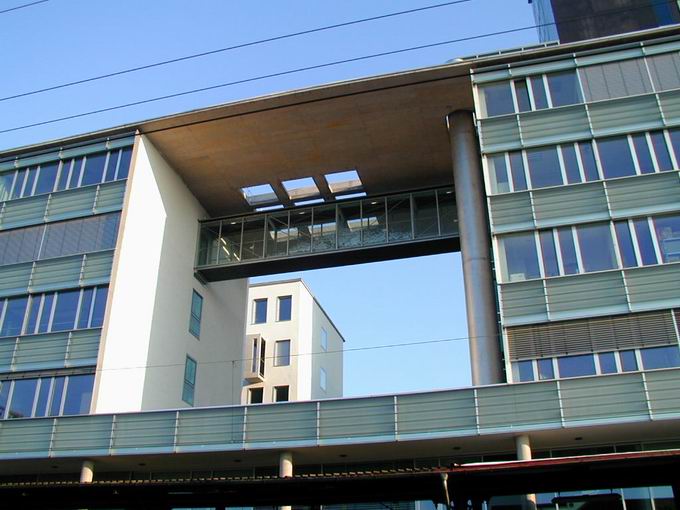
(275, 391)
(256, 301)
(277, 356)
(279, 300)
(195, 320)
(189, 386)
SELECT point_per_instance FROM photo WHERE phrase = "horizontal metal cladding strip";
(644, 194)
(670, 107)
(499, 134)
(592, 335)
(511, 211)
(621, 116)
(570, 204)
(554, 125)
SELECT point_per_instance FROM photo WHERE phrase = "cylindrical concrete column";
(87, 472)
(523, 447)
(475, 247)
(285, 470)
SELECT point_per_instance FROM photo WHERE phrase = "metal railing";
(489, 410)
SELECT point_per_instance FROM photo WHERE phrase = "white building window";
(282, 353)
(324, 339)
(189, 381)
(285, 308)
(323, 379)
(260, 311)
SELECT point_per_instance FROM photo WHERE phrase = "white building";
(293, 351)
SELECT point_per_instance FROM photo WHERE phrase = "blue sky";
(389, 303)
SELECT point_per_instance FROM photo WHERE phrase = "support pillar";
(87, 472)
(285, 470)
(523, 446)
(475, 247)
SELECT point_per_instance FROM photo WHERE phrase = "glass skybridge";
(343, 232)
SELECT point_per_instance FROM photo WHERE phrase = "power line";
(23, 6)
(229, 48)
(309, 68)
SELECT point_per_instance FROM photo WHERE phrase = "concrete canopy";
(391, 129)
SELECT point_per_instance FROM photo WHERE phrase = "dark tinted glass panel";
(426, 223)
(525, 371)
(6, 181)
(615, 157)
(85, 306)
(675, 142)
(65, 310)
(448, 216)
(567, 250)
(588, 160)
(301, 225)
(282, 353)
(78, 394)
(19, 184)
(253, 239)
(230, 243)
(522, 93)
(256, 395)
(668, 235)
(260, 311)
(607, 362)
(564, 88)
(23, 396)
(43, 397)
(498, 174)
(47, 178)
(576, 366)
(57, 394)
(645, 243)
(15, 310)
(277, 234)
(398, 219)
(324, 228)
(663, 158)
(76, 170)
(628, 361)
(373, 226)
(549, 253)
(519, 180)
(124, 165)
(521, 260)
(110, 173)
(4, 395)
(597, 249)
(644, 157)
(33, 309)
(94, 169)
(660, 357)
(285, 308)
(48, 301)
(544, 167)
(545, 369)
(281, 394)
(498, 99)
(571, 164)
(538, 88)
(64, 175)
(30, 182)
(625, 241)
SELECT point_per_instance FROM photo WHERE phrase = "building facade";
(293, 351)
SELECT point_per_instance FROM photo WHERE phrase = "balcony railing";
(489, 410)
(345, 225)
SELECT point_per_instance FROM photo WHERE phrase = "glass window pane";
(282, 353)
(253, 238)
(497, 99)
(285, 307)
(78, 394)
(256, 395)
(374, 229)
(544, 167)
(545, 369)
(324, 228)
(324, 339)
(538, 88)
(625, 241)
(597, 248)
(4, 395)
(522, 94)
(15, 309)
(448, 215)
(645, 243)
(300, 230)
(230, 243)
(65, 310)
(23, 397)
(668, 235)
(498, 174)
(520, 261)
(549, 253)
(6, 181)
(576, 366)
(628, 361)
(615, 157)
(33, 309)
(110, 173)
(519, 180)
(260, 311)
(57, 395)
(425, 214)
(30, 181)
(399, 218)
(663, 158)
(524, 371)
(281, 394)
(190, 371)
(607, 363)
(660, 357)
(124, 164)
(47, 178)
(76, 170)
(588, 160)
(46, 313)
(85, 305)
(43, 397)
(64, 175)
(675, 142)
(644, 157)
(564, 88)
(277, 234)
(571, 163)
(19, 183)
(93, 172)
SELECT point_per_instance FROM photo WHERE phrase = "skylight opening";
(310, 202)
(298, 189)
(351, 195)
(343, 182)
(260, 194)
(269, 208)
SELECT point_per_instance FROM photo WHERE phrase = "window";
(645, 242)
(323, 379)
(545, 369)
(576, 366)
(668, 235)
(196, 311)
(544, 167)
(23, 396)
(519, 180)
(285, 307)
(616, 158)
(65, 310)
(615, 79)
(660, 357)
(568, 250)
(280, 393)
(625, 242)
(519, 257)
(524, 371)
(564, 88)
(628, 361)
(259, 311)
(255, 395)
(189, 381)
(498, 173)
(15, 309)
(282, 353)
(497, 99)
(607, 363)
(550, 265)
(597, 248)
(46, 396)
(324, 339)
(78, 394)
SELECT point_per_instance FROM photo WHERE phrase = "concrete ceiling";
(391, 129)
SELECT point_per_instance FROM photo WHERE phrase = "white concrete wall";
(330, 360)
(146, 337)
